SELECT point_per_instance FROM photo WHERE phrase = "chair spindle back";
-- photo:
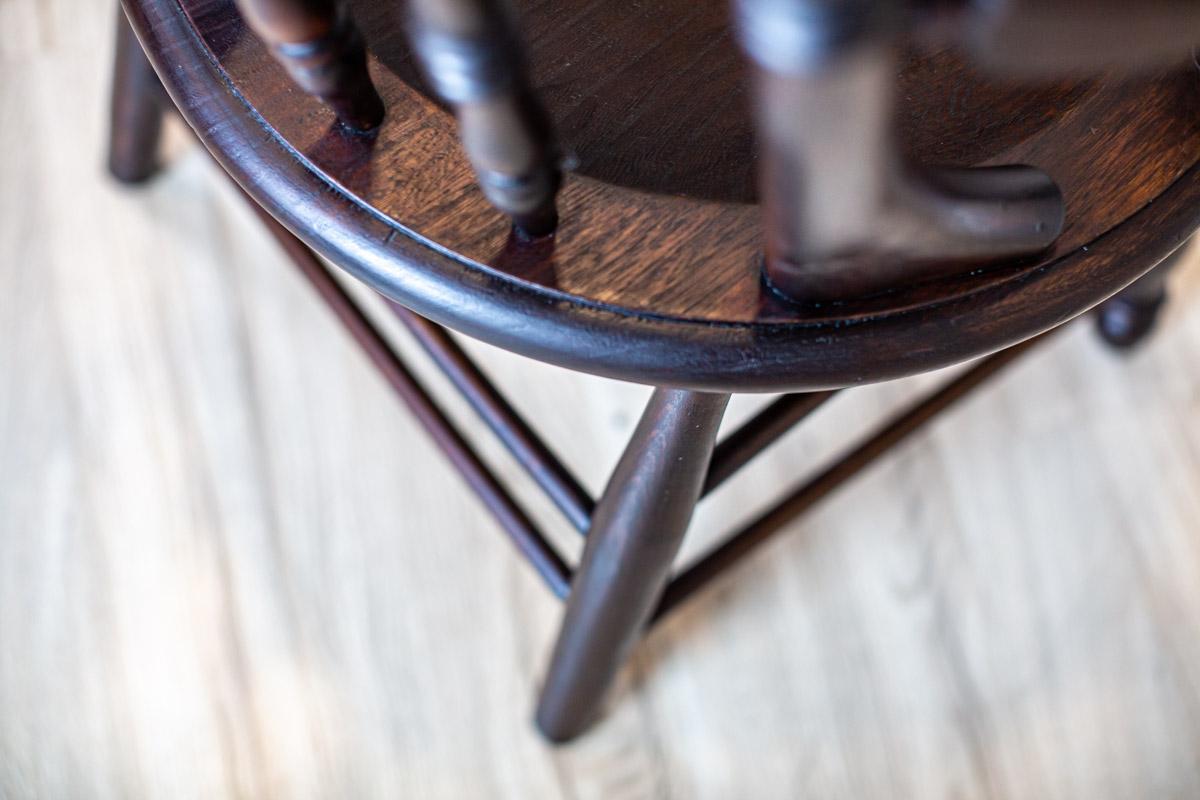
(471, 57)
(317, 42)
(846, 215)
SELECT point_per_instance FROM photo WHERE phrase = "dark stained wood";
(660, 282)
(1128, 318)
(622, 80)
(815, 489)
(508, 513)
(526, 446)
(664, 288)
(1039, 36)
(636, 533)
(720, 261)
(472, 58)
(135, 110)
(319, 45)
(758, 433)
(846, 216)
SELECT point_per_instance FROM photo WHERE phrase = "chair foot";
(1125, 320)
(1124, 323)
(636, 532)
(136, 108)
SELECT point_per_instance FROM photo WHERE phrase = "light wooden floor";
(229, 567)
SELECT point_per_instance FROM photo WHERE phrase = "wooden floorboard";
(231, 567)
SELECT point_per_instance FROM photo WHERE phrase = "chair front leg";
(637, 529)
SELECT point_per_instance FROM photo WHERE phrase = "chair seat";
(654, 274)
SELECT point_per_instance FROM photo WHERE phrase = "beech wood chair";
(792, 196)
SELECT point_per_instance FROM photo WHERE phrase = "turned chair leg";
(635, 535)
(137, 110)
(1128, 318)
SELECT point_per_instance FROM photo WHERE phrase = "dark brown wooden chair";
(931, 183)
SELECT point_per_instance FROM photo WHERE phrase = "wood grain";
(622, 91)
(230, 567)
(648, 253)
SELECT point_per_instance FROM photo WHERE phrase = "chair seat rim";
(585, 335)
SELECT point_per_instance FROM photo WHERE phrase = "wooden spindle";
(1056, 37)
(636, 533)
(846, 216)
(471, 57)
(318, 44)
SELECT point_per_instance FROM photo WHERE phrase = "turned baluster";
(471, 57)
(846, 217)
(136, 109)
(1126, 319)
(318, 44)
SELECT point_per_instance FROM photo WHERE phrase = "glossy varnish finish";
(136, 108)
(232, 567)
(1112, 145)
(1127, 318)
(663, 273)
(205, 592)
(472, 56)
(319, 46)
(508, 513)
(636, 534)
(637, 527)
(846, 217)
(555, 479)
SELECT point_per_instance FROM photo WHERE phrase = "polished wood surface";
(636, 534)
(1112, 144)
(640, 522)
(664, 285)
(230, 568)
(136, 109)
(472, 56)
(320, 47)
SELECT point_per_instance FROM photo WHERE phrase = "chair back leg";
(136, 109)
